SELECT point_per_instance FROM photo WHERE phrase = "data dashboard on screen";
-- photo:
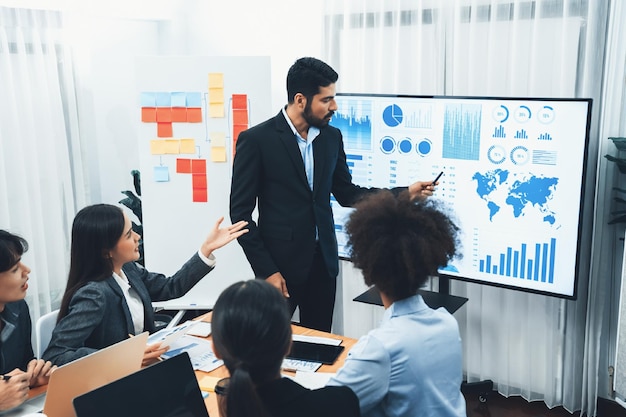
(513, 177)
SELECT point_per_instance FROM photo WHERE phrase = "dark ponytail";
(252, 333)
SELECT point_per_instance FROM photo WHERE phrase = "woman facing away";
(108, 295)
(411, 365)
(252, 333)
(18, 367)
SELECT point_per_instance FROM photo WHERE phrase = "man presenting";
(289, 165)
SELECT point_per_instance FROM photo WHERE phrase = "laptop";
(85, 374)
(165, 389)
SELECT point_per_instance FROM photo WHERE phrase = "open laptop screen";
(167, 389)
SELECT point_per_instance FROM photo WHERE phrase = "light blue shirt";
(306, 148)
(409, 366)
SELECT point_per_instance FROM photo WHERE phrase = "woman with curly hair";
(412, 364)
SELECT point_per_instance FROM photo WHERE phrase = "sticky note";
(240, 101)
(183, 166)
(194, 115)
(164, 130)
(207, 383)
(216, 110)
(172, 146)
(194, 99)
(157, 147)
(179, 99)
(187, 146)
(163, 100)
(179, 114)
(148, 114)
(240, 117)
(198, 166)
(161, 174)
(148, 99)
(198, 181)
(163, 114)
(216, 80)
(218, 138)
(200, 195)
(218, 153)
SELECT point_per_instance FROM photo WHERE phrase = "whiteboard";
(174, 225)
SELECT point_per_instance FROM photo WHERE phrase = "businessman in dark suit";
(288, 166)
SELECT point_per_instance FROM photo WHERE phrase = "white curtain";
(539, 347)
(41, 173)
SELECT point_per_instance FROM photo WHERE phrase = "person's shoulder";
(341, 400)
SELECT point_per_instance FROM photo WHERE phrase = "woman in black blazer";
(108, 296)
(252, 333)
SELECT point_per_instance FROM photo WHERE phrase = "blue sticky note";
(148, 99)
(164, 99)
(194, 100)
(161, 174)
(179, 99)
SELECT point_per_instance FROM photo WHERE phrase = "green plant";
(620, 144)
(133, 202)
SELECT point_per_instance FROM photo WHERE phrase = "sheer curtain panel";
(41, 173)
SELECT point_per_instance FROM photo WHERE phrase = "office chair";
(43, 331)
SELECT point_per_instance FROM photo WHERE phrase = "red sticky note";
(164, 130)
(200, 195)
(183, 166)
(240, 101)
(198, 166)
(179, 114)
(163, 114)
(194, 115)
(148, 114)
(240, 117)
(198, 181)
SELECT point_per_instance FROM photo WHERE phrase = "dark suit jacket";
(268, 170)
(16, 351)
(99, 316)
(286, 398)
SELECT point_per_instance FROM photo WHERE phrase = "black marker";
(437, 179)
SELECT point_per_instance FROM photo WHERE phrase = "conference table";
(222, 372)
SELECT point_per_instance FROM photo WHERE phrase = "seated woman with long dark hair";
(108, 295)
(252, 333)
(411, 365)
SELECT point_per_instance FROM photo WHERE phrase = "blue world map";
(520, 192)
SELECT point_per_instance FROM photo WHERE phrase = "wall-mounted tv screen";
(513, 177)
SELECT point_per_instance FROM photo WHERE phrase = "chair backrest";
(43, 331)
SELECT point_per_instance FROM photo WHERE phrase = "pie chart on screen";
(392, 115)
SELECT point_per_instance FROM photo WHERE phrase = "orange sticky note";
(164, 130)
(240, 101)
(194, 115)
(179, 114)
(198, 181)
(240, 117)
(148, 114)
(183, 166)
(237, 129)
(200, 195)
(198, 166)
(163, 114)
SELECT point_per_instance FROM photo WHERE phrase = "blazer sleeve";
(86, 311)
(244, 190)
(161, 288)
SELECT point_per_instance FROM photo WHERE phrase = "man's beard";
(315, 121)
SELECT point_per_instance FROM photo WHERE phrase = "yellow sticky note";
(172, 146)
(207, 383)
(216, 95)
(187, 146)
(216, 110)
(216, 80)
(157, 147)
(218, 139)
(218, 153)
